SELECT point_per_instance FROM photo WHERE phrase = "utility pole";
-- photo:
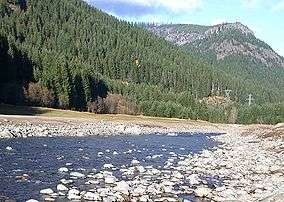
(227, 93)
(250, 99)
(212, 89)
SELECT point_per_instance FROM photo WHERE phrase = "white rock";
(202, 191)
(194, 179)
(61, 187)
(139, 191)
(108, 166)
(32, 200)
(64, 181)
(63, 169)
(141, 169)
(74, 197)
(46, 191)
(73, 194)
(6, 134)
(92, 196)
(49, 199)
(115, 153)
(77, 174)
(9, 148)
(135, 162)
(144, 198)
(110, 180)
(122, 187)
(177, 174)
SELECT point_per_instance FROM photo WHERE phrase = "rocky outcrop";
(228, 39)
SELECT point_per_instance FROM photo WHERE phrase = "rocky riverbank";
(243, 168)
(248, 165)
(21, 126)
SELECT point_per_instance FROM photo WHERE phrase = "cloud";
(278, 7)
(174, 6)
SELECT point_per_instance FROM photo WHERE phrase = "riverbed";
(33, 164)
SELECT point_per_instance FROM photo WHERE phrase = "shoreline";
(249, 159)
(13, 126)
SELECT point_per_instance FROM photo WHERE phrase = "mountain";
(231, 47)
(67, 54)
(224, 40)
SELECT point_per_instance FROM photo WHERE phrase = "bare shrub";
(117, 104)
(38, 95)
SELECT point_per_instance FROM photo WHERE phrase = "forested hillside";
(233, 48)
(66, 54)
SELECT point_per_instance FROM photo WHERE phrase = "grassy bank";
(49, 112)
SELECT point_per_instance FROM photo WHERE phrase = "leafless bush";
(38, 95)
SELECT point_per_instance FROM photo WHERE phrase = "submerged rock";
(63, 169)
(46, 191)
(9, 148)
(77, 174)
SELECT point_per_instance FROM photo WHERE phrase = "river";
(30, 165)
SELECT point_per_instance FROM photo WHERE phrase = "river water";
(33, 163)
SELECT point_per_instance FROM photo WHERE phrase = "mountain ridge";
(194, 35)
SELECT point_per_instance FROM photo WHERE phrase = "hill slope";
(231, 47)
(64, 53)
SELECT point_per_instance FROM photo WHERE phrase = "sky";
(264, 17)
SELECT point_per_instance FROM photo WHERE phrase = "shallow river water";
(32, 164)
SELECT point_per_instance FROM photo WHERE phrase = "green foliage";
(81, 55)
(266, 113)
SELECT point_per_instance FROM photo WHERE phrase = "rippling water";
(33, 163)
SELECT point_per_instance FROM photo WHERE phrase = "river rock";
(73, 194)
(6, 134)
(9, 148)
(135, 162)
(274, 198)
(77, 174)
(139, 191)
(110, 179)
(122, 187)
(46, 191)
(61, 187)
(202, 192)
(64, 181)
(194, 179)
(32, 200)
(89, 196)
(177, 175)
(140, 169)
(49, 199)
(108, 166)
(63, 170)
(144, 198)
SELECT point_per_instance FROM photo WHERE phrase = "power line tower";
(250, 99)
(212, 89)
(227, 93)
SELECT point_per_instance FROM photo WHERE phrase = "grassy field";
(48, 112)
